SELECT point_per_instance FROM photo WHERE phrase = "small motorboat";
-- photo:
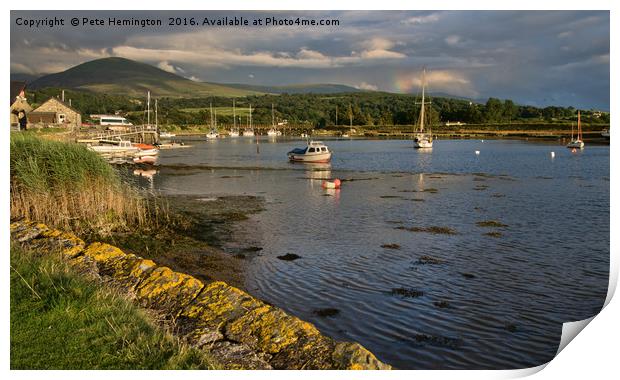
(212, 134)
(166, 135)
(315, 152)
(233, 133)
(114, 147)
(248, 133)
(151, 160)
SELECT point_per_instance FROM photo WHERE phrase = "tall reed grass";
(67, 186)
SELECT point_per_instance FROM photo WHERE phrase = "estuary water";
(527, 246)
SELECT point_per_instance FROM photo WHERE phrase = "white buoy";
(552, 154)
(481, 140)
(477, 152)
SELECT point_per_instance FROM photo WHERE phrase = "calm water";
(550, 264)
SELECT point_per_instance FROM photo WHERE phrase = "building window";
(61, 118)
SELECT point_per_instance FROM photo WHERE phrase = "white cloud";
(449, 81)
(421, 19)
(21, 69)
(195, 79)
(453, 40)
(566, 34)
(367, 86)
(166, 66)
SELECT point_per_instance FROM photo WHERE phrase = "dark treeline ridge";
(320, 110)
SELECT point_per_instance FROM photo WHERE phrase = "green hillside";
(317, 88)
(120, 76)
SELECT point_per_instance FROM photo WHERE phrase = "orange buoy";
(335, 184)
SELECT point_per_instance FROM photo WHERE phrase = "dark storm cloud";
(533, 57)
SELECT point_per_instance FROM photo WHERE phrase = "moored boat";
(114, 146)
(576, 143)
(212, 134)
(314, 152)
(166, 135)
(423, 139)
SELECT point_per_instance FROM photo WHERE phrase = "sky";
(532, 57)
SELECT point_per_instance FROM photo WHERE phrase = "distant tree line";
(323, 110)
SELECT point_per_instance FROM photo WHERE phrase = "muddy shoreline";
(193, 243)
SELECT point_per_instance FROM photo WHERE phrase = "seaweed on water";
(430, 260)
(438, 340)
(431, 229)
(495, 234)
(491, 223)
(326, 312)
(441, 304)
(289, 257)
(406, 292)
(468, 275)
(390, 246)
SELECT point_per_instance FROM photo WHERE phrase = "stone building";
(19, 105)
(56, 113)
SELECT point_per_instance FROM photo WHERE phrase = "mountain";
(22, 77)
(118, 75)
(320, 88)
(123, 76)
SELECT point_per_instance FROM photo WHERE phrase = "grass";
(70, 187)
(63, 320)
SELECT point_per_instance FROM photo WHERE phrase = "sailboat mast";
(234, 116)
(422, 107)
(350, 118)
(211, 115)
(579, 134)
(148, 108)
(251, 127)
(156, 128)
(273, 123)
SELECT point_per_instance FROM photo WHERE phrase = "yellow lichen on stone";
(68, 244)
(348, 355)
(270, 329)
(217, 304)
(168, 290)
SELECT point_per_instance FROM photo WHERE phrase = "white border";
(594, 350)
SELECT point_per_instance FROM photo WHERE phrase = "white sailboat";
(576, 143)
(273, 132)
(213, 132)
(234, 132)
(422, 139)
(249, 132)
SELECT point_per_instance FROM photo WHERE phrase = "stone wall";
(240, 331)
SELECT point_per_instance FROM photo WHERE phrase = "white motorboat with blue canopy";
(315, 152)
